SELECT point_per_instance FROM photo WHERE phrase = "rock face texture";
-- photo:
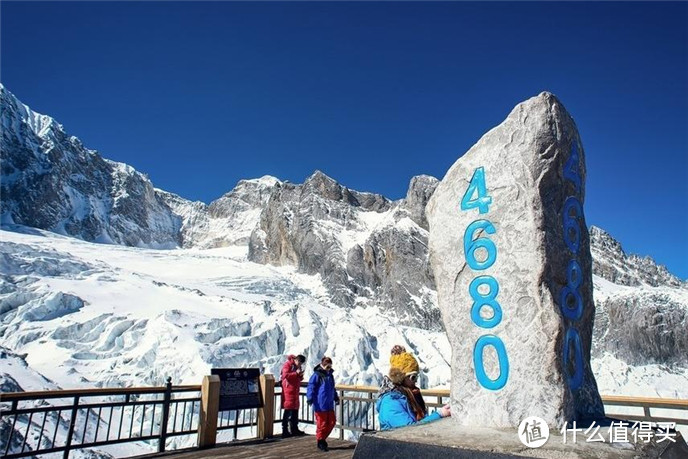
(643, 328)
(611, 262)
(51, 181)
(363, 246)
(510, 253)
(227, 221)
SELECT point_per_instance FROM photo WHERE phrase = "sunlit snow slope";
(103, 315)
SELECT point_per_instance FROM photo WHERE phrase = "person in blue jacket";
(321, 394)
(396, 405)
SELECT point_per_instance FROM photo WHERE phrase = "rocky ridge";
(51, 181)
(612, 263)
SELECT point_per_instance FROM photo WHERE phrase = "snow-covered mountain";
(611, 262)
(51, 181)
(117, 316)
(366, 248)
(227, 221)
(363, 251)
(269, 268)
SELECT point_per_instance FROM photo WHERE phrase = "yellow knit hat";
(405, 362)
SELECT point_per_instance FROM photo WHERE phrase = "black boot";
(322, 445)
(285, 431)
(295, 430)
(327, 447)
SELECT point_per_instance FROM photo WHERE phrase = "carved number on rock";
(570, 301)
(483, 289)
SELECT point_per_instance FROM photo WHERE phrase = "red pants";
(324, 421)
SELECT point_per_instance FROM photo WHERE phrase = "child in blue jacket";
(321, 394)
(397, 406)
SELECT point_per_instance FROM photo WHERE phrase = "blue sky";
(200, 95)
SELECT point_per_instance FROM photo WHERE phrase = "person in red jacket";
(291, 375)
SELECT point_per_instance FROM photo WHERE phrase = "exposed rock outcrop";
(364, 246)
(51, 181)
(611, 262)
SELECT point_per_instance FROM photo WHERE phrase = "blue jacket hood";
(395, 411)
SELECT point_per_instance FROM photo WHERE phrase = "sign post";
(266, 414)
(207, 423)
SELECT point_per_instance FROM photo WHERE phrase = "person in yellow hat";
(407, 363)
(397, 407)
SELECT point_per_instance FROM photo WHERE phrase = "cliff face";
(611, 262)
(51, 181)
(366, 248)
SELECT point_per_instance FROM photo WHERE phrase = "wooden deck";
(278, 448)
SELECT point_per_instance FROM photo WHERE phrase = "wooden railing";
(94, 417)
(653, 409)
(32, 424)
(356, 411)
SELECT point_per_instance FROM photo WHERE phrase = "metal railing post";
(72, 425)
(341, 415)
(372, 402)
(165, 415)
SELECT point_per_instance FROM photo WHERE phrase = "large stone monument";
(510, 252)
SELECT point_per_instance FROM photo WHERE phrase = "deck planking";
(277, 448)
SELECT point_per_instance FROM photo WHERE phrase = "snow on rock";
(367, 249)
(643, 326)
(615, 376)
(611, 262)
(51, 181)
(227, 221)
(17, 376)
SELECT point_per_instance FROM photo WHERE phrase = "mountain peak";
(611, 262)
(319, 176)
(600, 238)
(258, 185)
(264, 181)
(421, 188)
(51, 181)
(15, 112)
(326, 187)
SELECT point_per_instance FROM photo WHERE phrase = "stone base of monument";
(446, 440)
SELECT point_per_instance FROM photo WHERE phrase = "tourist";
(321, 394)
(406, 362)
(396, 405)
(291, 377)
